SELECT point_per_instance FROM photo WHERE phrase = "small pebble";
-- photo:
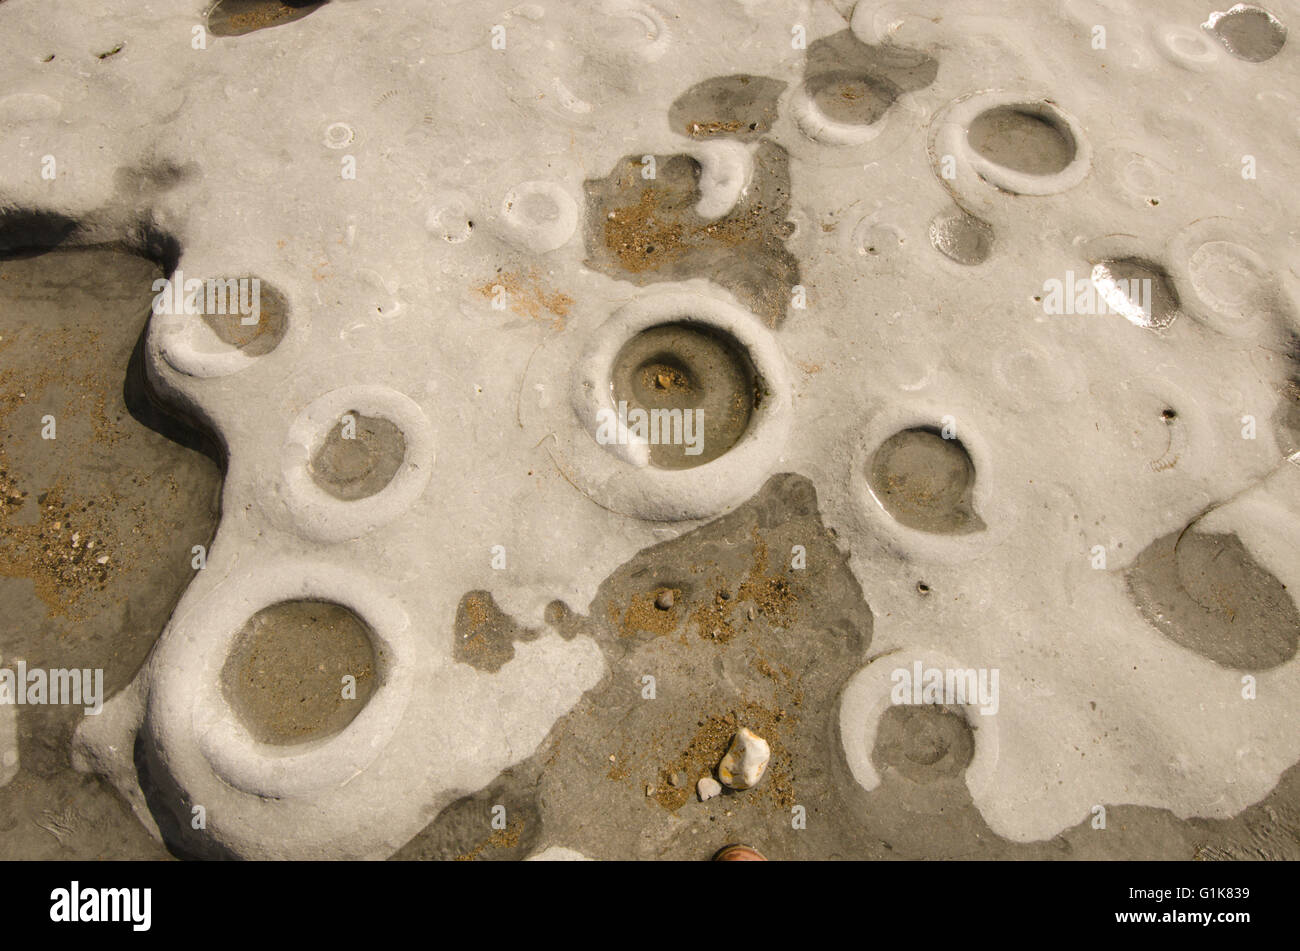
(746, 761)
(707, 788)
(664, 601)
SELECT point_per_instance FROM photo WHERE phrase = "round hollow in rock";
(1023, 138)
(925, 743)
(696, 385)
(286, 673)
(1206, 592)
(259, 331)
(358, 457)
(925, 482)
(1248, 32)
(238, 17)
(852, 98)
(961, 237)
(1140, 290)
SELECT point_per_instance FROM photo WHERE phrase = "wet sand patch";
(96, 525)
(484, 635)
(740, 106)
(646, 230)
